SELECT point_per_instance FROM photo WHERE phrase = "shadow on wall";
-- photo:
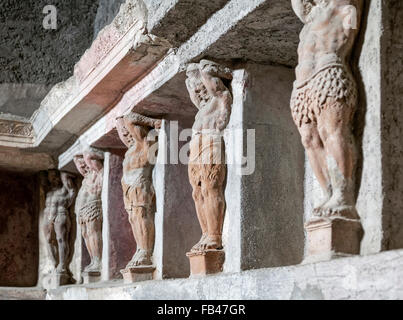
(19, 223)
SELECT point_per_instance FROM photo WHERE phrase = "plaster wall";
(180, 228)
(19, 247)
(122, 245)
(264, 218)
(272, 196)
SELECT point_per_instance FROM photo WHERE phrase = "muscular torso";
(57, 202)
(213, 115)
(136, 164)
(91, 188)
(323, 42)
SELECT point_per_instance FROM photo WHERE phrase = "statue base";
(206, 262)
(91, 276)
(332, 237)
(137, 274)
(55, 280)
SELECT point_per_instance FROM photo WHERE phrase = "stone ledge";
(377, 276)
(22, 293)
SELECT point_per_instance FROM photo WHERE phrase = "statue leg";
(95, 243)
(214, 204)
(146, 229)
(334, 125)
(50, 242)
(198, 200)
(84, 233)
(316, 153)
(143, 227)
(62, 228)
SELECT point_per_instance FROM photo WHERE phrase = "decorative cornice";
(16, 128)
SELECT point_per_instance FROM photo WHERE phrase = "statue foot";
(336, 208)
(86, 269)
(211, 243)
(141, 258)
(61, 269)
(94, 266)
(197, 246)
(320, 207)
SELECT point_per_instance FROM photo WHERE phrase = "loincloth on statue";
(61, 214)
(207, 159)
(138, 189)
(309, 99)
(90, 211)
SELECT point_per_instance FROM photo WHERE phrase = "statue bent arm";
(302, 9)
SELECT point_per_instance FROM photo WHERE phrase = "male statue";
(138, 190)
(207, 168)
(89, 204)
(60, 193)
(324, 99)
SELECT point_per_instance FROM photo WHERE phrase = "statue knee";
(84, 232)
(311, 141)
(137, 213)
(132, 218)
(48, 236)
(205, 191)
(197, 194)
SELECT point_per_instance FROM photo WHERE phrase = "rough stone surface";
(392, 123)
(22, 293)
(272, 197)
(31, 54)
(121, 242)
(21, 99)
(177, 20)
(19, 248)
(107, 10)
(368, 278)
(267, 34)
(180, 226)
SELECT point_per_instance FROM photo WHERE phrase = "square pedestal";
(137, 274)
(206, 262)
(55, 280)
(91, 277)
(329, 238)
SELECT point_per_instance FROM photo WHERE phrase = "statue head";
(80, 164)
(54, 178)
(67, 180)
(194, 82)
(124, 134)
(94, 159)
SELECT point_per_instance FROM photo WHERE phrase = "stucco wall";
(122, 245)
(264, 219)
(107, 10)
(31, 54)
(392, 123)
(273, 196)
(19, 248)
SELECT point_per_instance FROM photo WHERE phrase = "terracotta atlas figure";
(324, 99)
(89, 204)
(207, 168)
(138, 190)
(60, 194)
